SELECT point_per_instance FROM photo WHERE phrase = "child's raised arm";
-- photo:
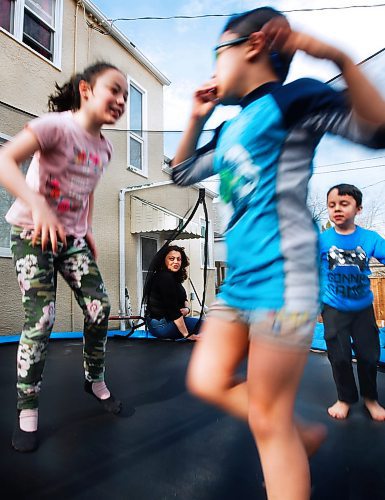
(365, 99)
(12, 155)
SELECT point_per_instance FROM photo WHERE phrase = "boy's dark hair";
(348, 189)
(253, 21)
(67, 96)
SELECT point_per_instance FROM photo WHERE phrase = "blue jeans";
(163, 329)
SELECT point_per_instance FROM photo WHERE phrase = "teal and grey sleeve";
(197, 167)
(194, 169)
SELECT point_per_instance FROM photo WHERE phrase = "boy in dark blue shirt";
(347, 301)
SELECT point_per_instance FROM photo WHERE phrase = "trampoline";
(167, 445)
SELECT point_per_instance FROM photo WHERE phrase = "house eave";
(124, 41)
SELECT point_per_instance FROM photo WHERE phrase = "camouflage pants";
(37, 276)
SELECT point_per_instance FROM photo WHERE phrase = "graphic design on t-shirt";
(339, 257)
(85, 172)
(239, 176)
(55, 196)
(346, 277)
(88, 159)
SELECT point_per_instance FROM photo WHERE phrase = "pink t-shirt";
(65, 170)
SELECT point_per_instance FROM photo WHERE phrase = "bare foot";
(377, 412)
(194, 337)
(339, 410)
(312, 436)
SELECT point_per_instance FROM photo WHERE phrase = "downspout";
(122, 243)
(122, 257)
(75, 38)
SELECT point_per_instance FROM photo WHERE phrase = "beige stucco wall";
(27, 81)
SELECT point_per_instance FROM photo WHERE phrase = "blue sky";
(182, 50)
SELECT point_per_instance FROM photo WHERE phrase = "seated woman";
(166, 300)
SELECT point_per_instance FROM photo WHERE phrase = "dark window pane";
(136, 111)
(37, 35)
(149, 249)
(6, 14)
(135, 154)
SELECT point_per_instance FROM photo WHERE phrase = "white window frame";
(139, 276)
(5, 251)
(210, 260)
(143, 140)
(17, 31)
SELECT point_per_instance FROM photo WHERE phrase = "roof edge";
(123, 40)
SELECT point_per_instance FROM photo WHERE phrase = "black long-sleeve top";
(167, 297)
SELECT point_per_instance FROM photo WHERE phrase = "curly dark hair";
(158, 264)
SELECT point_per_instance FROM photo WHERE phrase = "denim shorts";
(292, 329)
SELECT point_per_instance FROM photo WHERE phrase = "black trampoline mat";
(167, 445)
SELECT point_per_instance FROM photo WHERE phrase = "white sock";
(28, 420)
(100, 390)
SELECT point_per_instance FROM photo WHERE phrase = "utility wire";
(374, 184)
(350, 161)
(202, 16)
(348, 169)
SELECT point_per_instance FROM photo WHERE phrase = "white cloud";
(194, 8)
(177, 104)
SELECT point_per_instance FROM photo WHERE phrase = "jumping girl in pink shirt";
(52, 229)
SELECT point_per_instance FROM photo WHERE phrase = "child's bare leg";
(274, 373)
(312, 435)
(211, 375)
(377, 412)
(215, 358)
(339, 410)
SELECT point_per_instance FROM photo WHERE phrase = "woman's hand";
(46, 224)
(181, 325)
(185, 311)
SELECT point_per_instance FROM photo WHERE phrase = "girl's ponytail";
(67, 96)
